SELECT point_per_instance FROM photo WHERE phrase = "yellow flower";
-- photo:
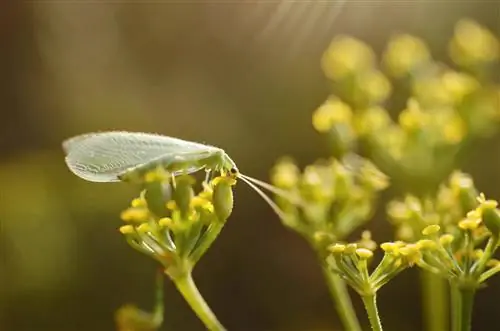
(404, 53)
(371, 120)
(331, 112)
(346, 56)
(413, 118)
(375, 86)
(285, 174)
(473, 44)
(453, 128)
(459, 85)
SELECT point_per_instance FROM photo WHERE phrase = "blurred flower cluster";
(464, 257)
(417, 140)
(411, 214)
(332, 198)
(172, 224)
(446, 107)
(463, 254)
(129, 317)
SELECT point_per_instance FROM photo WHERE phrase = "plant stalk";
(462, 304)
(370, 302)
(435, 302)
(342, 300)
(189, 291)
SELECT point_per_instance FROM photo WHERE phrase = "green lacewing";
(119, 155)
(115, 156)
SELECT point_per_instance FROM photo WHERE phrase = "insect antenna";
(264, 196)
(271, 188)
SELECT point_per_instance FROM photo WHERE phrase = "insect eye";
(233, 171)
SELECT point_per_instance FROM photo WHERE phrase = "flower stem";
(462, 303)
(343, 303)
(435, 303)
(189, 291)
(206, 240)
(370, 302)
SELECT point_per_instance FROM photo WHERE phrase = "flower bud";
(223, 197)
(183, 194)
(491, 219)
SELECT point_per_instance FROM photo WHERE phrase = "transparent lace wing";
(104, 157)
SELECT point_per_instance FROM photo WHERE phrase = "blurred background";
(242, 75)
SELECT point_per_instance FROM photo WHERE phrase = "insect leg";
(173, 180)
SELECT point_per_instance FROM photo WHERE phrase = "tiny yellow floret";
(127, 229)
(345, 56)
(473, 44)
(144, 227)
(411, 252)
(375, 86)
(404, 53)
(364, 253)
(139, 202)
(446, 239)
(478, 253)
(171, 205)
(431, 229)
(350, 248)
(336, 248)
(331, 112)
(426, 244)
(165, 222)
(389, 247)
(135, 215)
(468, 224)
(285, 174)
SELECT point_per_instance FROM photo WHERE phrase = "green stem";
(190, 292)
(370, 302)
(205, 241)
(342, 300)
(435, 302)
(462, 303)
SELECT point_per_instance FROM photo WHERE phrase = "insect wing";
(103, 157)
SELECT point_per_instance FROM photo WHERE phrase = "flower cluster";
(352, 261)
(172, 224)
(453, 200)
(446, 107)
(464, 257)
(331, 197)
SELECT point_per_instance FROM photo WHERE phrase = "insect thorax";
(210, 160)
